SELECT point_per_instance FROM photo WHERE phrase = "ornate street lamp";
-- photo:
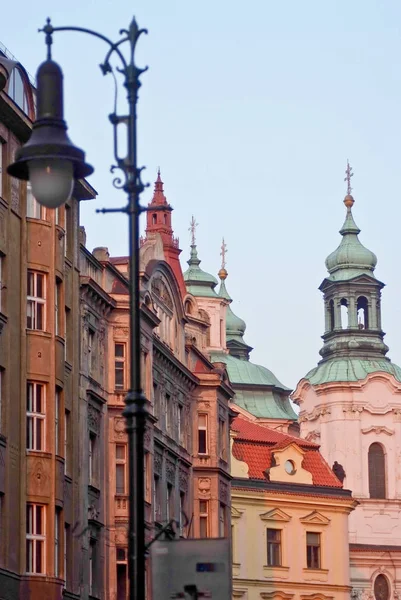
(51, 162)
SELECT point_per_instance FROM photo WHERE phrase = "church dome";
(351, 258)
(235, 326)
(198, 282)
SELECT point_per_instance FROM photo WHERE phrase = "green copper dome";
(198, 282)
(351, 258)
(351, 369)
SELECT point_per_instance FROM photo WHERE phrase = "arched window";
(165, 219)
(331, 314)
(344, 313)
(381, 588)
(377, 471)
(362, 309)
(188, 307)
(154, 219)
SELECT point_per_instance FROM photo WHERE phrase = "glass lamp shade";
(52, 180)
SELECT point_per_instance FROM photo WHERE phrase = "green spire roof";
(198, 282)
(235, 326)
(351, 258)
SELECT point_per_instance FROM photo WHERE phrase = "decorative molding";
(224, 492)
(275, 515)
(378, 429)
(313, 436)
(204, 484)
(236, 513)
(119, 428)
(315, 518)
(170, 471)
(158, 463)
(94, 417)
(276, 594)
(183, 478)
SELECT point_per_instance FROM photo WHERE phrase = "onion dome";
(198, 282)
(351, 258)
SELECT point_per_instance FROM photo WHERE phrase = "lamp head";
(49, 159)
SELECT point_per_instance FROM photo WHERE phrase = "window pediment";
(275, 515)
(315, 518)
(276, 595)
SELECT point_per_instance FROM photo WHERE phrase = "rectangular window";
(91, 351)
(67, 443)
(57, 421)
(222, 520)
(222, 439)
(92, 567)
(121, 563)
(67, 333)
(273, 547)
(34, 210)
(119, 366)
(180, 423)
(121, 466)
(202, 434)
(182, 513)
(92, 459)
(156, 400)
(57, 304)
(167, 413)
(67, 555)
(170, 502)
(203, 518)
(36, 301)
(35, 416)
(35, 539)
(156, 499)
(57, 543)
(147, 469)
(313, 550)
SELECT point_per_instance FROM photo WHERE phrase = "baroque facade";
(290, 518)
(351, 405)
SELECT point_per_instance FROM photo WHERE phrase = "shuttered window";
(377, 471)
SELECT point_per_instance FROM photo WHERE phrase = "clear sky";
(251, 110)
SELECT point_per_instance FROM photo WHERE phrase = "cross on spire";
(192, 228)
(347, 178)
(223, 254)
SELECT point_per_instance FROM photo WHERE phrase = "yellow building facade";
(289, 518)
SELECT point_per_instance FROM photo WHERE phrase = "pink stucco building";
(351, 405)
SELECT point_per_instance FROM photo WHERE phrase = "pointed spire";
(159, 199)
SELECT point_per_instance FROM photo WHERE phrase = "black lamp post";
(51, 162)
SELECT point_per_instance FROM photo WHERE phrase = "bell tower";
(352, 296)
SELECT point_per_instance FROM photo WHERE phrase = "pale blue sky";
(251, 110)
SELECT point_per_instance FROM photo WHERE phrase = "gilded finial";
(348, 200)
(223, 272)
(192, 228)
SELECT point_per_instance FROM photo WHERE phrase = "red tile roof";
(255, 444)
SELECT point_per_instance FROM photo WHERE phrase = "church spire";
(158, 215)
(352, 295)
